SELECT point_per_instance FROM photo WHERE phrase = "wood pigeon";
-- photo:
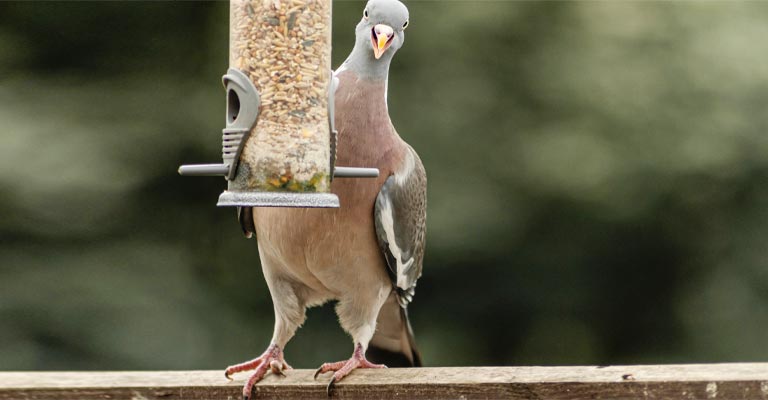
(368, 253)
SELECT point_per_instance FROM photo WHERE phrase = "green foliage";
(596, 175)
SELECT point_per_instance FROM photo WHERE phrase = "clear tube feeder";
(278, 146)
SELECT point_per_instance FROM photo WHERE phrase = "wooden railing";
(703, 381)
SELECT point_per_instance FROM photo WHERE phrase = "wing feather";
(400, 216)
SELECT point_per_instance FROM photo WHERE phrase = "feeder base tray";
(278, 199)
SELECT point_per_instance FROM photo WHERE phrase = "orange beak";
(381, 38)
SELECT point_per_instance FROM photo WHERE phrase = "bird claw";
(271, 360)
(331, 385)
(276, 367)
(343, 368)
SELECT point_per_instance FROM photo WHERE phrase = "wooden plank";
(701, 381)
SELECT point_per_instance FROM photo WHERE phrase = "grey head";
(379, 34)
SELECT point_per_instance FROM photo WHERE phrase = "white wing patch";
(388, 224)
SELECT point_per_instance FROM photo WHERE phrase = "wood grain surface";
(699, 381)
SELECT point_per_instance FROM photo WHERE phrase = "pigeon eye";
(365, 13)
(405, 25)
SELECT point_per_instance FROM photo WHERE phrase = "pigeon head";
(379, 34)
(382, 27)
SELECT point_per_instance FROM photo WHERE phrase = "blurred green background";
(597, 186)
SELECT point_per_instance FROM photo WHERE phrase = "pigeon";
(367, 255)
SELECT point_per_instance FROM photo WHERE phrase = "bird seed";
(284, 47)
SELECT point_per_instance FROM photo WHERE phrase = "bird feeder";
(278, 146)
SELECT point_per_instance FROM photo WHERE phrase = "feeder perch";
(279, 143)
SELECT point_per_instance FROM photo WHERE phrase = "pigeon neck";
(366, 66)
(362, 98)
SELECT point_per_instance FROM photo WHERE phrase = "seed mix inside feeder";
(278, 147)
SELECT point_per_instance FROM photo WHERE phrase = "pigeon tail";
(245, 216)
(393, 343)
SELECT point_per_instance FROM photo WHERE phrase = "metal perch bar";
(204, 170)
(353, 172)
(222, 169)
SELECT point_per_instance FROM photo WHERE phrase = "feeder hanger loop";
(242, 112)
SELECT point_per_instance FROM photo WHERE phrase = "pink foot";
(343, 368)
(272, 359)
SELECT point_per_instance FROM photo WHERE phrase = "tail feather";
(245, 216)
(393, 343)
(411, 339)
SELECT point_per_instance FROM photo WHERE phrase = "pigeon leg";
(343, 368)
(272, 359)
